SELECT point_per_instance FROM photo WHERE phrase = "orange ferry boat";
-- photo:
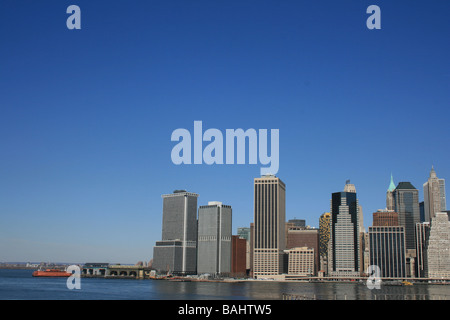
(51, 273)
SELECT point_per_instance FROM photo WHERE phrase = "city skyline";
(370, 222)
(87, 115)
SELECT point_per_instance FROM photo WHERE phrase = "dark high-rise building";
(422, 235)
(406, 199)
(177, 251)
(422, 211)
(387, 250)
(344, 258)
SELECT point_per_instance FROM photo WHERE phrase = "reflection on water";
(263, 290)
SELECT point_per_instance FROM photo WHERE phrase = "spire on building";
(392, 184)
(349, 187)
(432, 172)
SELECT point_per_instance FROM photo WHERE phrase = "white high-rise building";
(434, 195)
(438, 252)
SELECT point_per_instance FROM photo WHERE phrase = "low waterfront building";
(298, 237)
(95, 269)
(301, 261)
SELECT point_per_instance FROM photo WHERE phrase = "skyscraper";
(344, 245)
(422, 236)
(269, 226)
(390, 205)
(214, 239)
(324, 238)
(433, 195)
(406, 200)
(177, 251)
(438, 251)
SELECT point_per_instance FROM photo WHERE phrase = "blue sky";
(87, 115)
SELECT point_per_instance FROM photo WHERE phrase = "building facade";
(406, 199)
(269, 226)
(298, 222)
(422, 236)
(324, 238)
(214, 239)
(245, 233)
(301, 261)
(238, 256)
(385, 218)
(438, 250)
(304, 238)
(177, 251)
(390, 205)
(433, 196)
(344, 244)
(387, 250)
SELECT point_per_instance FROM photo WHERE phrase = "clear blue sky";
(86, 115)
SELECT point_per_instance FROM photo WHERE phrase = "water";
(20, 285)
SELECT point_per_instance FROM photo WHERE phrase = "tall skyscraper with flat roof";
(434, 195)
(177, 251)
(344, 245)
(269, 226)
(214, 239)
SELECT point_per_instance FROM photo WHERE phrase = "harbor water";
(18, 284)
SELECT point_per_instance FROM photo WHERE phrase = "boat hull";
(51, 273)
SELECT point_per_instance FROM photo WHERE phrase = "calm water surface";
(19, 284)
